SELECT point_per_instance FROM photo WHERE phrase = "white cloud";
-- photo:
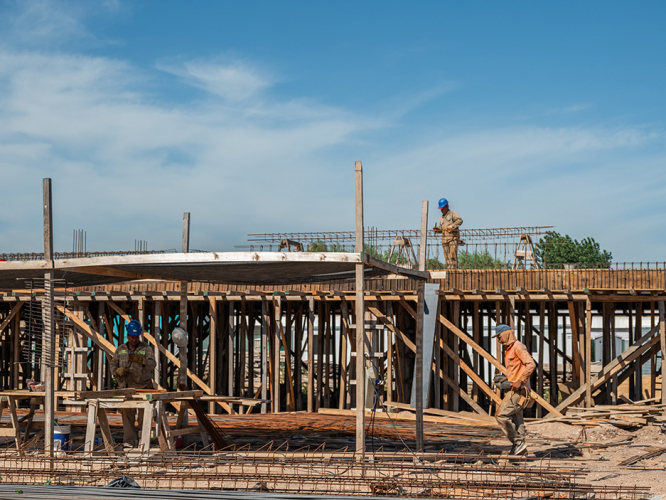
(124, 162)
(231, 80)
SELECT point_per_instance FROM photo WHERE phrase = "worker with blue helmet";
(448, 226)
(133, 366)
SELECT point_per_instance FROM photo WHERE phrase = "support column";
(588, 353)
(264, 353)
(48, 306)
(360, 319)
(212, 352)
(276, 354)
(662, 335)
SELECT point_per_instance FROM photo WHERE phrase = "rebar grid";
(432, 475)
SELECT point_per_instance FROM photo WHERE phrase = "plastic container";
(61, 435)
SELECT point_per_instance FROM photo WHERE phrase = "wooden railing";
(554, 279)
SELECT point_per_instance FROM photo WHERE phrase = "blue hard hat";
(133, 328)
(442, 203)
(501, 328)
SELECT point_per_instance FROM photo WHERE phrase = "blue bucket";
(61, 437)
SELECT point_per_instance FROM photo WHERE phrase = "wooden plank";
(588, 354)
(166, 396)
(205, 422)
(104, 428)
(662, 341)
(287, 365)
(212, 350)
(484, 387)
(12, 313)
(612, 368)
(466, 338)
(360, 316)
(573, 320)
(388, 324)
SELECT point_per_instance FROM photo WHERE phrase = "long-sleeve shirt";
(519, 363)
(140, 376)
(449, 225)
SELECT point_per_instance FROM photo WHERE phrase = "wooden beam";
(613, 367)
(11, 315)
(456, 359)
(387, 323)
(466, 338)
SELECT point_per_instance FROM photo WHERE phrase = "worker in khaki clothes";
(133, 366)
(519, 365)
(448, 225)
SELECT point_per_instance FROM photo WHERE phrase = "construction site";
(361, 371)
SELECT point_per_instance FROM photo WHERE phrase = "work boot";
(519, 448)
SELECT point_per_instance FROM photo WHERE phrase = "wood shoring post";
(311, 315)
(424, 236)
(264, 353)
(360, 318)
(575, 356)
(344, 333)
(638, 370)
(662, 338)
(212, 351)
(182, 351)
(588, 353)
(277, 305)
(419, 365)
(230, 349)
(49, 322)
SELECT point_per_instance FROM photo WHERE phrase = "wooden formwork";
(296, 347)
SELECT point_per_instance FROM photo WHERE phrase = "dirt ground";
(601, 458)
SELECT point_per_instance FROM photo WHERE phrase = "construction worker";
(448, 225)
(133, 366)
(520, 365)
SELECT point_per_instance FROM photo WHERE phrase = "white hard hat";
(179, 336)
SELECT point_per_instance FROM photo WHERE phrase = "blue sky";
(250, 115)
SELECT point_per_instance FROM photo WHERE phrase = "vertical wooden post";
(276, 354)
(424, 236)
(638, 333)
(588, 353)
(212, 351)
(311, 354)
(419, 366)
(230, 350)
(360, 318)
(475, 357)
(662, 335)
(182, 351)
(264, 353)
(542, 346)
(456, 349)
(344, 332)
(48, 306)
(99, 358)
(581, 342)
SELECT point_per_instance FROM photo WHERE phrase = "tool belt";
(526, 400)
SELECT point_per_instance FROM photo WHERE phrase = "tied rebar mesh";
(33, 314)
(317, 472)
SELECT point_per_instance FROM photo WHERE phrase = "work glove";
(500, 382)
(136, 358)
(122, 372)
(437, 229)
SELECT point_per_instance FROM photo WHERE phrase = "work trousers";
(129, 420)
(451, 254)
(510, 417)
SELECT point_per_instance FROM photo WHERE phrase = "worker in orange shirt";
(520, 365)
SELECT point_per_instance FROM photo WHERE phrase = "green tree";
(322, 246)
(479, 260)
(554, 250)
